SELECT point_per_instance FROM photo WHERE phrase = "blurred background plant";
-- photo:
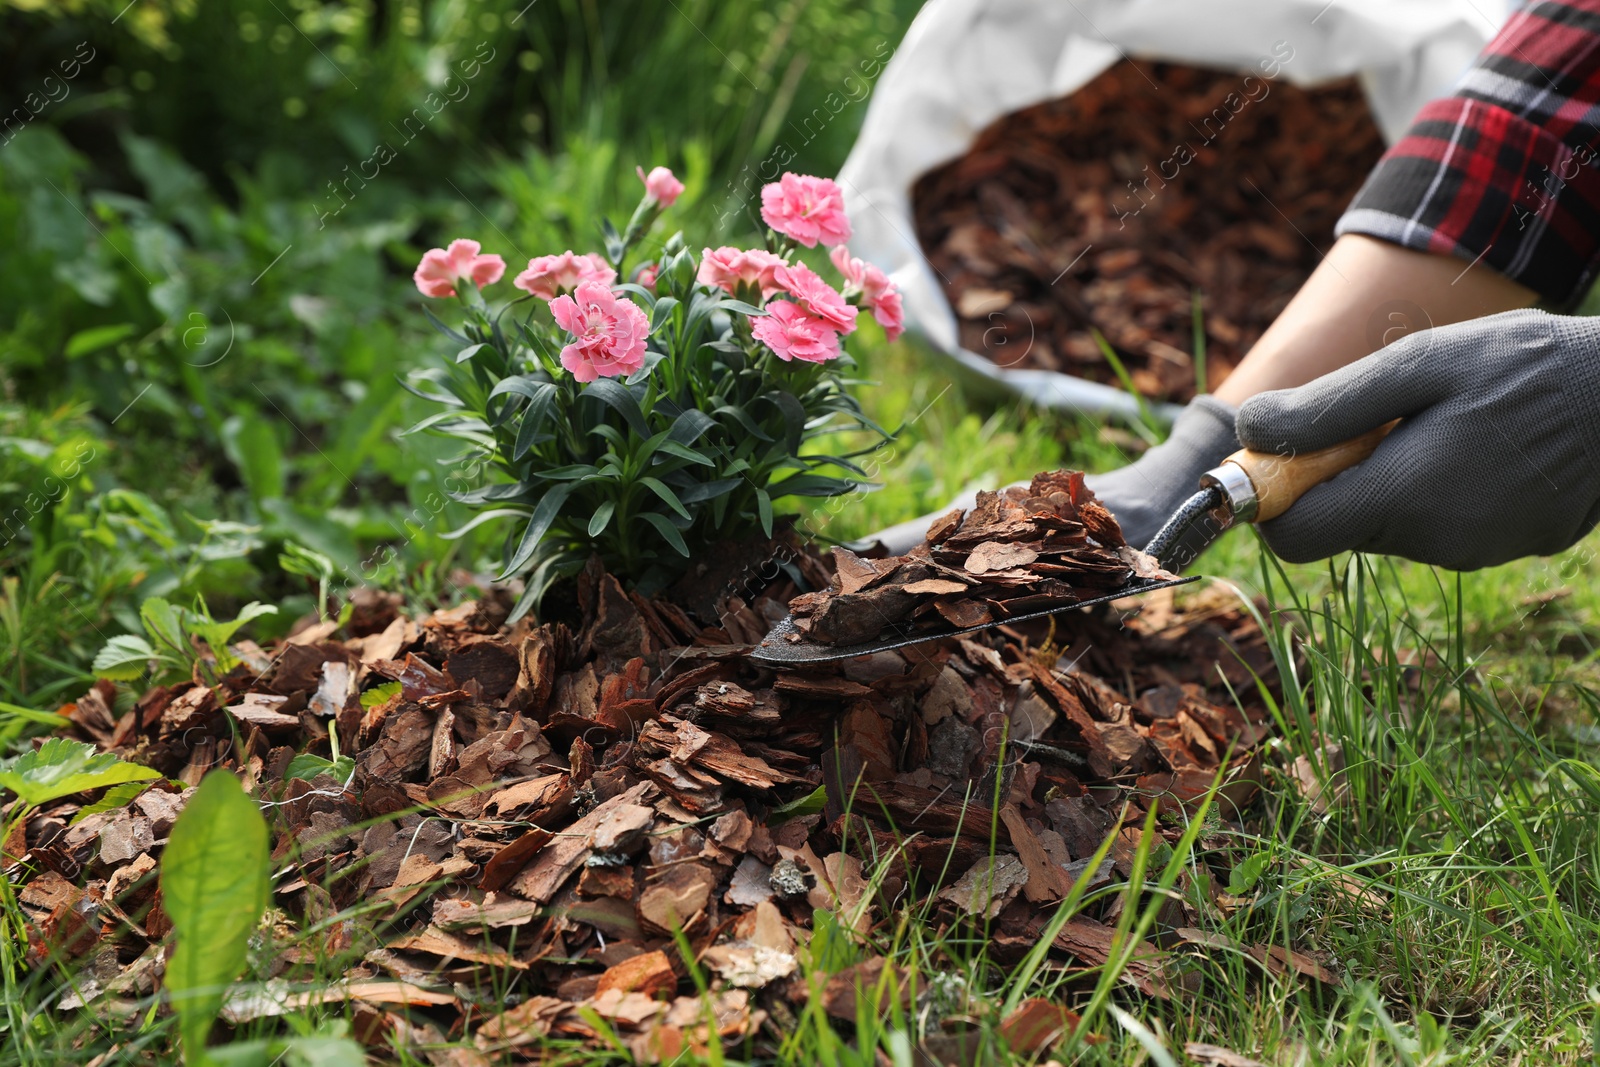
(214, 210)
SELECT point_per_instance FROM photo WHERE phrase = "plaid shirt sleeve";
(1506, 170)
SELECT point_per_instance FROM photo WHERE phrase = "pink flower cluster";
(805, 316)
(878, 294)
(609, 332)
(442, 268)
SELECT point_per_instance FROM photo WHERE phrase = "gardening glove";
(1142, 495)
(1497, 455)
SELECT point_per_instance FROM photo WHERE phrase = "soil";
(1115, 209)
(534, 810)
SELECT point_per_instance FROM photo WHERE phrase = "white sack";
(965, 63)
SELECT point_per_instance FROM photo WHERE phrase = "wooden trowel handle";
(1276, 482)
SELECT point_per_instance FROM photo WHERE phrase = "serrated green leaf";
(124, 658)
(214, 888)
(307, 765)
(161, 621)
(61, 766)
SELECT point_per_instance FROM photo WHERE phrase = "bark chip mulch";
(534, 811)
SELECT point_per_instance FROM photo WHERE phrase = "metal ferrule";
(1239, 500)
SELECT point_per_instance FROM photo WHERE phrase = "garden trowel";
(1248, 486)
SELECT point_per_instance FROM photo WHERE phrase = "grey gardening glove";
(1497, 456)
(1142, 495)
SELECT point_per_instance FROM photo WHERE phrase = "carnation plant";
(648, 412)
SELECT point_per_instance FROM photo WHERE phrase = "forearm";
(1365, 294)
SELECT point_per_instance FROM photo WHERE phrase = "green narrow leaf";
(470, 351)
(538, 525)
(87, 342)
(214, 887)
(667, 496)
(601, 518)
(764, 509)
(619, 399)
(667, 530)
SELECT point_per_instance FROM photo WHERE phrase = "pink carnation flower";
(793, 334)
(441, 268)
(807, 209)
(890, 315)
(661, 185)
(727, 267)
(648, 275)
(815, 296)
(878, 293)
(609, 332)
(549, 276)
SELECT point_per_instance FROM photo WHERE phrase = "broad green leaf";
(316, 1050)
(1247, 872)
(124, 658)
(743, 418)
(216, 635)
(307, 765)
(697, 494)
(61, 767)
(380, 694)
(690, 426)
(162, 622)
(214, 887)
(533, 420)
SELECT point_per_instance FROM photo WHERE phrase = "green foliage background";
(207, 307)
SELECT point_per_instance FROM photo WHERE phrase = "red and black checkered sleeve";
(1505, 170)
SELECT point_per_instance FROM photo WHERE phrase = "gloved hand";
(1497, 455)
(1142, 495)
